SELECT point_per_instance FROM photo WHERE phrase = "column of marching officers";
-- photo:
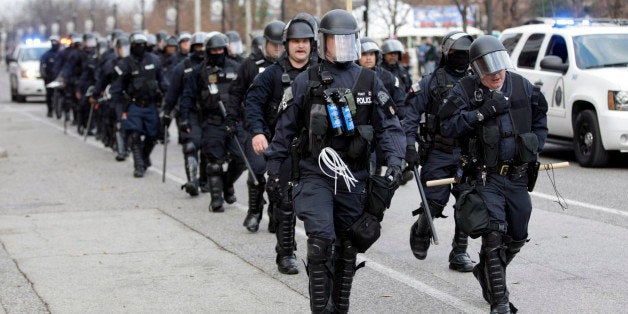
(318, 113)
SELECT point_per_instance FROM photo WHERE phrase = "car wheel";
(588, 142)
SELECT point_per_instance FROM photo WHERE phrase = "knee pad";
(214, 169)
(492, 240)
(436, 209)
(319, 249)
(189, 148)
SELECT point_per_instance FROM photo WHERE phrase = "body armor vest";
(143, 85)
(214, 88)
(484, 144)
(432, 122)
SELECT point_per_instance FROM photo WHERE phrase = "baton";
(426, 207)
(163, 168)
(235, 138)
(544, 167)
(89, 121)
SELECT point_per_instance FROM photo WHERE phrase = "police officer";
(235, 48)
(191, 141)
(392, 50)
(439, 154)
(141, 82)
(208, 89)
(86, 79)
(183, 48)
(329, 208)
(256, 63)
(169, 57)
(500, 119)
(262, 102)
(46, 68)
(71, 73)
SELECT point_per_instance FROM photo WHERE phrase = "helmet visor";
(338, 48)
(235, 47)
(369, 47)
(492, 63)
(124, 51)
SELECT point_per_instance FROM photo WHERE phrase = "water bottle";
(334, 118)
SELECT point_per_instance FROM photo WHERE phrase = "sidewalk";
(80, 235)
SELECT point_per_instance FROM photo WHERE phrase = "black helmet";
(89, 41)
(219, 40)
(392, 45)
(198, 38)
(456, 40)
(273, 32)
(137, 39)
(172, 41)
(257, 45)
(162, 35)
(151, 40)
(122, 42)
(233, 36)
(309, 18)
(77, 39)
(297, 29)
(235, 43)
(369, 45)
(343, 26)
(488, 56)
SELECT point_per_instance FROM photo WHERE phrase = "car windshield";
(601, 50)
(33, 53)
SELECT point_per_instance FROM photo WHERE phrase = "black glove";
(412, 156)
(230, 126)
(273, 188)
(165, 121)
(395, 173)
(184, 126)
(497, 105)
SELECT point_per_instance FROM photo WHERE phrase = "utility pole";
(176, 18)
(248, 18)
(366, 18)
(142, 12)
(197, 16)
(115, 16)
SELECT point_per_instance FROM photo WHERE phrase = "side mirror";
(554, 63)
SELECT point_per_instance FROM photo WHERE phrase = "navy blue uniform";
(46, 68)
(324, 212)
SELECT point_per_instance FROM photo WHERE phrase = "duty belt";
(509, 168)
(141, 103)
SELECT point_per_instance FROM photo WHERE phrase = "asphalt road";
(80, 234)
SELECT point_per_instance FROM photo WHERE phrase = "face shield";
(338, 48)
(236, 47)
(492, 63)
(90, 43)
(124, 51)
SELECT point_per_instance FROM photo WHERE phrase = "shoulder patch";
(118, 70)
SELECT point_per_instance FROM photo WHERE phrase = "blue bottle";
(334, 118)
(348, 119)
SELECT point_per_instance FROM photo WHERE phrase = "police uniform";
(139, 87)
(47, 64)
(504, 130)
(206, 87)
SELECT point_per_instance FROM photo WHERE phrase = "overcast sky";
(10, 8)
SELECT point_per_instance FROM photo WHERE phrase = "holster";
(533, 174)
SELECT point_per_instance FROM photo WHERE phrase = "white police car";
(582, 69)
(24, 70)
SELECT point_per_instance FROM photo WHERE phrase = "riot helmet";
(235, 43)
(151, 42)
(257, 45)
(488, 56)
(341, 28)
(273, 32)
(77, 40)
(172, 42)
(89, 41)
(297, 29)
(138, 44)
(123, 45)
(102, 45)
(184, 36)
(392, 45)
(161, 35)
(197, 46)
(368, 45)
(214, 44)
(55, 42)
(455, 51)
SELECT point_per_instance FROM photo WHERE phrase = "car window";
(601, 50)
(32, 53)
(557, 47)
(510, 41)
(530, 51)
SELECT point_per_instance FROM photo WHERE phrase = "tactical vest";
(432, 122)
(287, 77)
(484, 144)
(143, 86)
(356, 148)
(214, 87)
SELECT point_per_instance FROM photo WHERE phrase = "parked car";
(24, 71)
(582, 69)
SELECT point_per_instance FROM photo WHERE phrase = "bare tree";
(393, 12)
(463, 6)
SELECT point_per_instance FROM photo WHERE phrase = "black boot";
(149, 144)
(513, 248)
(136, 149)
(120, 147)
(343, 275)
(285, 219)
(191, 169)
(459, 260)
(214, 177)
(319, 270)
(202, 175)
(420, 233)
(491, 273)
(256, 206)
(234, 170)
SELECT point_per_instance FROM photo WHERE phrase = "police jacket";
(73, 65)
(178, 79)
(428, 97)
(62, 57)
(206, 87)
(375, 110)
(140, 80)
(89, 72)
(265, 94)
(107, 75)
(502, 138)
(47, 64)
(249, 69)
(401, 73)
